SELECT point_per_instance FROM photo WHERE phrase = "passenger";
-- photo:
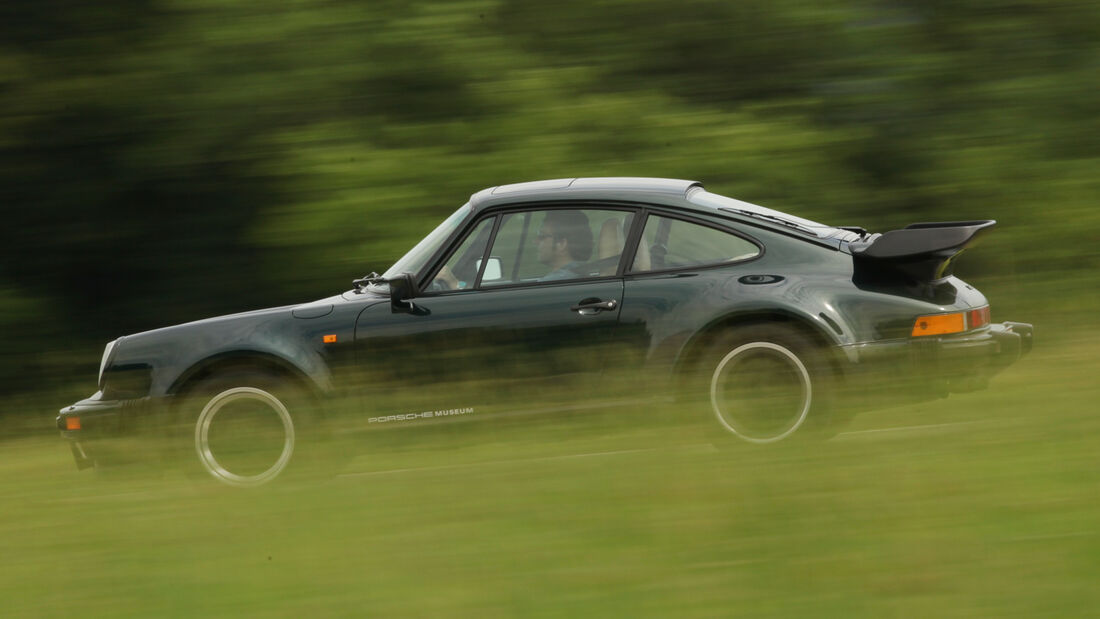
(565, 244)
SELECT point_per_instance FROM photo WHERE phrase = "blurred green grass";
(983, 504)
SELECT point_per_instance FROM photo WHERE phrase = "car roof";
(667, 191)
(677, 193)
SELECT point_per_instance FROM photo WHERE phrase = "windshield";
(418, 256)
(713, 200)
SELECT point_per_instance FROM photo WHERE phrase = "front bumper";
(930, 367)
(94, 418)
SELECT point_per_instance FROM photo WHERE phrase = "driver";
(565, 244)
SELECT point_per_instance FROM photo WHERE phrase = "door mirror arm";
(402, 289)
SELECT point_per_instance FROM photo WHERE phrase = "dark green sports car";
(562, 294)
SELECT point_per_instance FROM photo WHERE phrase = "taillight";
(978, 318)
(955, 322)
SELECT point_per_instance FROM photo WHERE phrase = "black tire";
(244, 429)
(766, 383)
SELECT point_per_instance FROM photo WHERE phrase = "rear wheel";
(765, 384)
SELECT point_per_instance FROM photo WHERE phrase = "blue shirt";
(567, 271)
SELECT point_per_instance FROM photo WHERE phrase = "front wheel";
(244, 436)
(767, 383)
(244, 428)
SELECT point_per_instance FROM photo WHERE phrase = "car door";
(504, 324)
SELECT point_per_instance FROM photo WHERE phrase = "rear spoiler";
(924, 252)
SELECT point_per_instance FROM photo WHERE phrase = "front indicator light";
(940, 324)
(72, 423)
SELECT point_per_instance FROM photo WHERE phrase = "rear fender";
(820, 329)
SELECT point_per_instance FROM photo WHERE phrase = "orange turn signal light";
(956, 322)
(328, 339)
(940, 324)
(72, 423)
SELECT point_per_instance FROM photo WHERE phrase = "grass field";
(985, 504)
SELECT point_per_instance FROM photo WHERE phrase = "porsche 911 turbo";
(765, 324)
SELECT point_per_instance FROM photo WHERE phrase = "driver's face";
(545, 239)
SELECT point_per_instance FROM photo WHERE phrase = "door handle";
(588, 307)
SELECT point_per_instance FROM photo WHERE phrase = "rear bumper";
(967, 363)
(929, 367)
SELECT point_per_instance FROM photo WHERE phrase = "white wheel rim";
(206, 419)
(804, 379)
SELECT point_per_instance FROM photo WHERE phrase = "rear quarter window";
(673, 244)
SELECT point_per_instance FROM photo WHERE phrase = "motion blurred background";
(169, 160)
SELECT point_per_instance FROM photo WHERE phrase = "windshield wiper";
(773, 218)
(374, 279)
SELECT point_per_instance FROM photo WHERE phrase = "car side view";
(764, 324)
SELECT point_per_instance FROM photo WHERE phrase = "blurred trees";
(166, 160)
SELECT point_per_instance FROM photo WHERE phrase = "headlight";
(107, 350)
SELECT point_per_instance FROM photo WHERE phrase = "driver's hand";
(447, 278)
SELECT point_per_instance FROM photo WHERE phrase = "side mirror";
(492, 269)
(402, 288)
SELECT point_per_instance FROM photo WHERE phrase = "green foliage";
(163, 161)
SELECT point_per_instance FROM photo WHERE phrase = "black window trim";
(449, 248)
(486, 252)
(446, 249)
(635, 208)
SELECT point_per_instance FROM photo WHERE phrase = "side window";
(671, 244)
(460, 270)
(558, 244)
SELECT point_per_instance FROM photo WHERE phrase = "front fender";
(311, 370)
(174, 355)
